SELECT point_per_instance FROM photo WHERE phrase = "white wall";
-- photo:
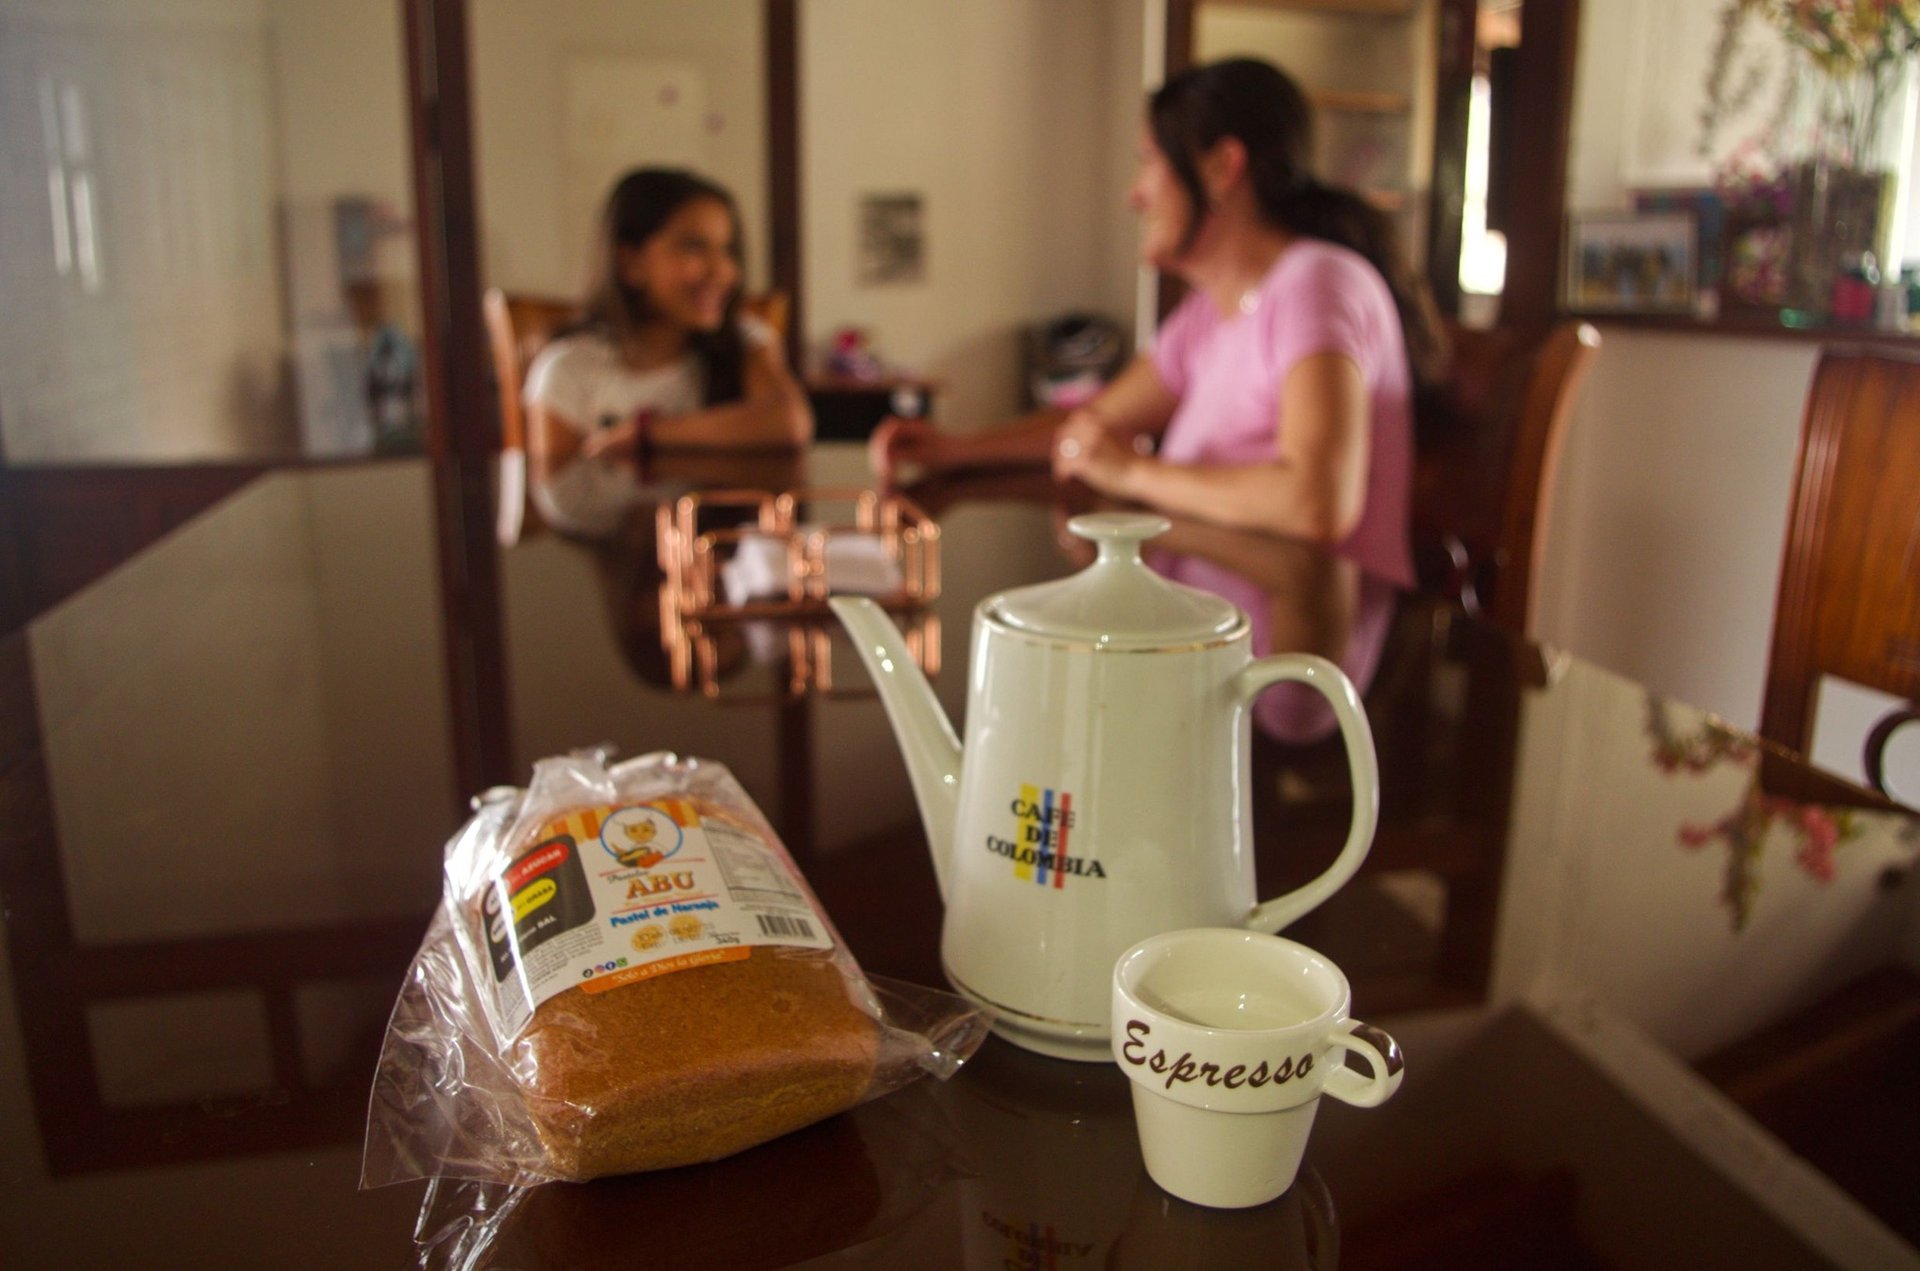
(520, 51)
(1001, 114)
(1663, 551)
(155, 335)
(340, 90)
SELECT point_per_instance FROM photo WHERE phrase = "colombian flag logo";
(1046, 821)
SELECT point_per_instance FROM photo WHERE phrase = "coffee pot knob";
(1119, 534)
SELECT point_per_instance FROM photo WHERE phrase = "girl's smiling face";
(687, 270)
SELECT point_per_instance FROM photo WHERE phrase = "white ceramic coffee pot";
(1103, 794)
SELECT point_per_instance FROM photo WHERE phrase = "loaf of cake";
(693, 1066)
(670, 1059)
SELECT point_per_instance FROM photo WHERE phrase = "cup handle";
(1331, 683)
(1382, 1054)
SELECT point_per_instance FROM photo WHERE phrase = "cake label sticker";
(608, 896)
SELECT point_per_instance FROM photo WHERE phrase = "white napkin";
(855, 563)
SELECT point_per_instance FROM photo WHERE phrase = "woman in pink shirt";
(1281, 390)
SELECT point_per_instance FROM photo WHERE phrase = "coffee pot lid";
(1117, 602)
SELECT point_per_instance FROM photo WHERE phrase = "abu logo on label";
(640, 836)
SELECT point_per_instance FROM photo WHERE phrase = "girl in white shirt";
(660, 360)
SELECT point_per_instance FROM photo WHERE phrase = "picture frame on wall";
(892, 247)
(1627, 262)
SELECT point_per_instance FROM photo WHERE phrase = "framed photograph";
(1709, 212)
(892, 239)
(1623, 262)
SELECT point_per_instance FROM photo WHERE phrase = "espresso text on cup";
(1184, 1068)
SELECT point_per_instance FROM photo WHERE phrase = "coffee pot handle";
(1331, 683)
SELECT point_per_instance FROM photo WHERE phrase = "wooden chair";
(1487, 447)
(519, 325)
(1849, 602)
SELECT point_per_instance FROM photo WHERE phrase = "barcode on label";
(780, 925)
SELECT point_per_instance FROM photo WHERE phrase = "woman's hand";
(1085, 449)
(900, 443)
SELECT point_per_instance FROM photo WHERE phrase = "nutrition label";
(611, 895)
(752, 873)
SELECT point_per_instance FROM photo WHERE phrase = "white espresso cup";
(1230, 1038)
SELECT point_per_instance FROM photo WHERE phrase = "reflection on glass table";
(753, 584)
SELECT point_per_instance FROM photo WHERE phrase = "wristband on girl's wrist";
(643, 421)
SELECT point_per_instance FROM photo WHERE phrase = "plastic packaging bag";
(627, 971)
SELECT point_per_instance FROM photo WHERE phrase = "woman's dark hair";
(1256, 103)
(640, 203)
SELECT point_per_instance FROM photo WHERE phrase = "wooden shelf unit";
(1360, 103)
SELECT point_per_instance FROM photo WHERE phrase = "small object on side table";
(1852, 299)
(1755, 241)
(849, 410)
(1890, 306)
(853, 357)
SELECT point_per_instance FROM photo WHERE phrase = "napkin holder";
(770, 573)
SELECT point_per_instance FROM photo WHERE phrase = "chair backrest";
(775, 308)
(1849, 602)
(1488, 447)
(518, 327)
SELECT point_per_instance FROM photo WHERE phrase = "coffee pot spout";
(927, 740)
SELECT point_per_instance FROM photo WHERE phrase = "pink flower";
(1698, 836)
(1816, 857)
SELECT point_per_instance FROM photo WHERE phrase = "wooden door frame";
(1541, 130)
(781, 25)
(461, 424)
(1456, 47)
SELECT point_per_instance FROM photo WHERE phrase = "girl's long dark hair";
(1258, 104)
(640, 203)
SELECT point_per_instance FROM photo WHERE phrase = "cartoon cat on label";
(639, 835)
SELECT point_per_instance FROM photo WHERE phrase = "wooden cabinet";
(850, 409)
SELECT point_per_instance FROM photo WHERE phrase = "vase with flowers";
(1857, 56)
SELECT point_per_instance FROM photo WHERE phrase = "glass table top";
(1654, 980)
